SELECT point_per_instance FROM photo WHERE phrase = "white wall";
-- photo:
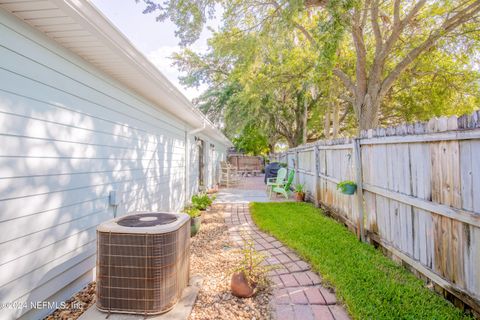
(213, 157)
(68, 136)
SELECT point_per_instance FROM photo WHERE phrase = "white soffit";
(78, 26)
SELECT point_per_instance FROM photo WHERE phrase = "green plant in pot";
(195, 219)
(299, 192)
(201, 201)
(251, 274)
(347, 187)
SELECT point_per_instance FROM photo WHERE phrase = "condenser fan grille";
(142, 273)
(146, 220)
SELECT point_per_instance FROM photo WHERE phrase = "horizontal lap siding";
(69, 135)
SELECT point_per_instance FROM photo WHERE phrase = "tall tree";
(402, 32)
(255, 77)
(387, 39)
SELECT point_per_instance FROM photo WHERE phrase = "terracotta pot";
(240, 287)
(213, 190)
(300, 196)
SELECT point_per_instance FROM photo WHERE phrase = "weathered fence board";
(418, 194)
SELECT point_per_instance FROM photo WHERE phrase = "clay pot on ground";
(240, 287)
(213, 190)
(300, 196)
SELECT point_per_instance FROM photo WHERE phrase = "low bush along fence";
(417, 195)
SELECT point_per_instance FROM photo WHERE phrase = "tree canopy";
(299, 70)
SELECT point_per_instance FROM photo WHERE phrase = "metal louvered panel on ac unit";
(143, 262)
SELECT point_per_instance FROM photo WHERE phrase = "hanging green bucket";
(347, 187)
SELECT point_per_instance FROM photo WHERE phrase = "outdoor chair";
(229, 176)
(285, 189)
(278, 181)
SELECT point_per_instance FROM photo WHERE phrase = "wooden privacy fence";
(418, 194)
(247, 164)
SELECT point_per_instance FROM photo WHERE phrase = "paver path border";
(297, 293)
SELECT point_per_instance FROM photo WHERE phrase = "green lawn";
(370, 284)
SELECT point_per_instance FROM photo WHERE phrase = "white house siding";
(213, 157)
(68, 136)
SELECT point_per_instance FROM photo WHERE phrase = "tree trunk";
(368, 112)
(271, 147)
(292, 143)
(326, 127)
(335, 121)
(305, 120)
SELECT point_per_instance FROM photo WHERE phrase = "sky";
(156, 40)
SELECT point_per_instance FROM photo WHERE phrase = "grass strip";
(370, 285)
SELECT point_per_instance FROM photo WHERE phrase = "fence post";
(359, 194)
(317, 170)
(297, 180)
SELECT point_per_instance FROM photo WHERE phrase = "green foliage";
(201, 201)
(189, 15)
(343, 185)
(252, 141)
(331, 31)
(193, 212)
(252, 266)
(440, 83)
(270, 65)
(299, 188)
(371, 285)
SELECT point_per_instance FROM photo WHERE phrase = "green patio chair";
(278, 181)
(285, 189)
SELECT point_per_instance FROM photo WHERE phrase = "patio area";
(297, 290)
(250, 189)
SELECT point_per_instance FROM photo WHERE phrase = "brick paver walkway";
(298, 293)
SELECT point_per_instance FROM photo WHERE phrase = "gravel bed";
(214, 260)
(76, 305)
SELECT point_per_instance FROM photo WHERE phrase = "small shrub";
(300, 188)
(192, 211)
(201, 201)
(252, 266)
